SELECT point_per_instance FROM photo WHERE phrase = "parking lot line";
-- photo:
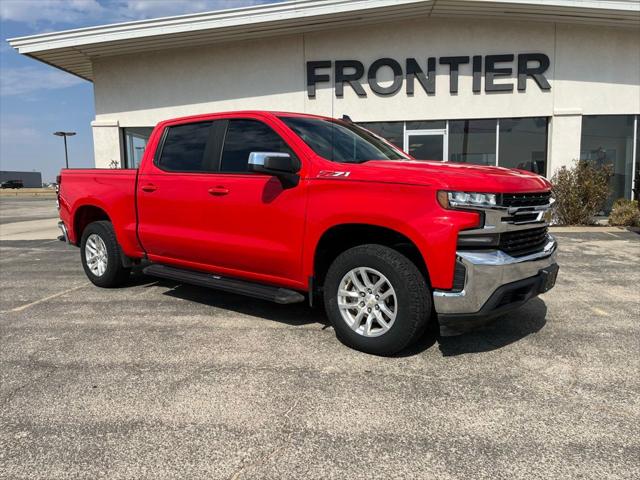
(599, 311)
(55, 295)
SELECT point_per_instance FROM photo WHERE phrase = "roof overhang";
(74, 50)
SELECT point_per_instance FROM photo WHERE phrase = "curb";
(588, 229)
(28, 194)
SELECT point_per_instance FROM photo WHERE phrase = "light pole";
(64, 135)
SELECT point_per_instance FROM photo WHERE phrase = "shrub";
(625, 213)
(581, 192)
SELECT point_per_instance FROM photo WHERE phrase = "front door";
(259, 222)
(200, 208)
(426, 144)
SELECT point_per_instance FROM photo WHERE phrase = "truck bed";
(112, 190)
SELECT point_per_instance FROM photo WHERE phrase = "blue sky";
(36, 99)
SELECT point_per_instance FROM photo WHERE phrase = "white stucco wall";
(106, 140)
(594, 70)
(140, 90)
(564, 139)
(597, 70)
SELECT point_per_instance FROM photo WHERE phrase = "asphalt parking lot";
(28, 218)
(161, 380)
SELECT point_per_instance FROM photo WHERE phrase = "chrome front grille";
(517, 225)
(522, 218)
(523, 242)
(519, 200)
(524, 208)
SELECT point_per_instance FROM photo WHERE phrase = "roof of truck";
(240, 113)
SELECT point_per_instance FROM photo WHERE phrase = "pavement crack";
(284, 442)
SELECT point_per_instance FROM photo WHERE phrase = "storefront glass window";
(426, 147)
(135, 141)
(523, 144)
(608, 140)
(512, 142)
(390, 131)
(472, 141)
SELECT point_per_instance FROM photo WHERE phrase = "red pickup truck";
(283, 206)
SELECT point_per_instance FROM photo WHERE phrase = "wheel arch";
(340, 237)
(84, 215)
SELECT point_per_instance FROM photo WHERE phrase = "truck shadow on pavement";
(511, 328)
(503, 331)
(296, 314)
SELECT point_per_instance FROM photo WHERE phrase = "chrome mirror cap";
(258, 158)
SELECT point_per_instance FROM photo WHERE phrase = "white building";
(519, 83)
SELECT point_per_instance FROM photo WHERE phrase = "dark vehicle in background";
(12, 184)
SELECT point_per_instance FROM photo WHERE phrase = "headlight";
(466, 199)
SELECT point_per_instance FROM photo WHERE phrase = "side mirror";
(273, 163)
(278, 164)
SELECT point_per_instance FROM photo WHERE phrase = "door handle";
(150, 187)
(218, 190)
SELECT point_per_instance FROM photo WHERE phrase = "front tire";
(376, 299)
(101, 256)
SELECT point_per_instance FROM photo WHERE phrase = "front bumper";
(494, 284)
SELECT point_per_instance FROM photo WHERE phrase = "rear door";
(174, 201)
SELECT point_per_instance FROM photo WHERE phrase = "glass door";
(426, 144)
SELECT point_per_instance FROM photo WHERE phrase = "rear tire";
(387, 287)
(101, 256)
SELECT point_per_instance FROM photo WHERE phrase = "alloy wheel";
(95, 254)
(367, 301)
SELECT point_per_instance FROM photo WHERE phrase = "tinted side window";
(184, 147)
(340, 141)
(244, 137)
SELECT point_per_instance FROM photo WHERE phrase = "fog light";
(478, 241)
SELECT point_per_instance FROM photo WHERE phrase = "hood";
(447, 176)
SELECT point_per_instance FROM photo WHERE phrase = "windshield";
(340, 141)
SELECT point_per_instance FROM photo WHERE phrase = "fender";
(434, 237)
(125, 229)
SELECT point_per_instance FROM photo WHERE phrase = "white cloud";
(46, 15)
(85, 12)
(25, 80)
(50, 11)
(141, 9)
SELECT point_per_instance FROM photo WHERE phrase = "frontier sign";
(350, 72)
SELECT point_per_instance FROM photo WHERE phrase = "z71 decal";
(331, 173)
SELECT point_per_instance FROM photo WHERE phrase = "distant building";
(29, 179)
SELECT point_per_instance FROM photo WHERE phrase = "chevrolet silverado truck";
(289, 207)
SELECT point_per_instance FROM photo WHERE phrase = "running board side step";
(232, 285)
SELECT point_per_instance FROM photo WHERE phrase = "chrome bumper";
(486, 272)
(63, 229)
